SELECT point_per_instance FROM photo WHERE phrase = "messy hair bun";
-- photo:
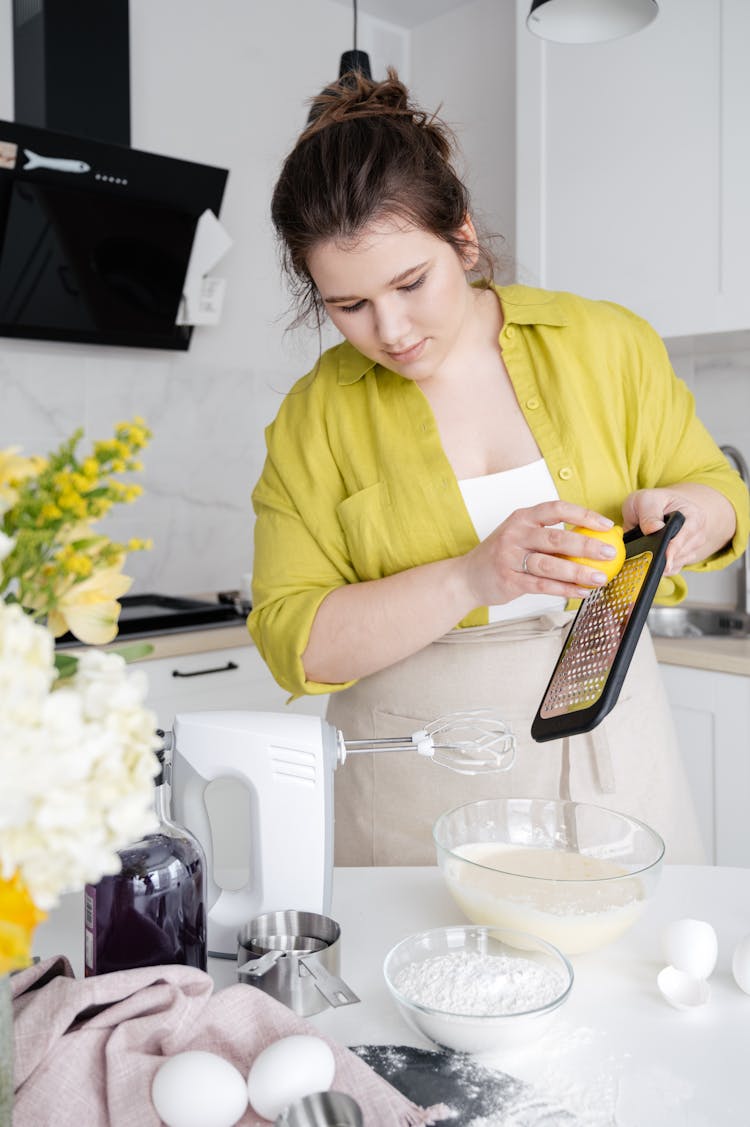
(367, 152)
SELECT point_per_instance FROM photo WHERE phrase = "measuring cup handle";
(334, 989)
(255, 968)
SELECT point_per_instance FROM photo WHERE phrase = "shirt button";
(532, 403)
(510, 332)
(565, 473)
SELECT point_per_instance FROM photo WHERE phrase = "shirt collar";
(521, 305)
(353, 365)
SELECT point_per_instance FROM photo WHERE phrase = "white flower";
(7, 544)
(77, 762)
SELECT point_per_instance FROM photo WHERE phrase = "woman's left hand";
(709, 520)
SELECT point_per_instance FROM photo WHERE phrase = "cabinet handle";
(200, 672)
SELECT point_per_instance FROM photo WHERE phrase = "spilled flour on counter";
(532, 1087)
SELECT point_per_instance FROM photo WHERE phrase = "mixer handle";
(473, 742)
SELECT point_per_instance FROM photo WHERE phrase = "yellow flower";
(80, 565)
(49, 511)
(72, 502)
(89, 609)
(13, 470)
(99, 506)
(18, 918)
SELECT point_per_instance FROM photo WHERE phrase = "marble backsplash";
(199, 469)
(208, 448)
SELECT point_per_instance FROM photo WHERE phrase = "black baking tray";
(598, 653)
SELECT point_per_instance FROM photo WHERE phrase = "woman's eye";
(414, 285)
(351, 308)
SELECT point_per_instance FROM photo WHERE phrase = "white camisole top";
(490, 500)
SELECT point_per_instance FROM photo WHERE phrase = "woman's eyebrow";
(393, 282)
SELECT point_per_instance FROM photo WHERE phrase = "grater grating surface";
(590, 671)
(594, 640)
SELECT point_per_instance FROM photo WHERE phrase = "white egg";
(198, 1089)
(691, 946)
(287, 1070)
(741, 964)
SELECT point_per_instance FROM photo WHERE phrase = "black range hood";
(95, 236)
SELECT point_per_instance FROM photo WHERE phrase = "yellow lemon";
(611, 536)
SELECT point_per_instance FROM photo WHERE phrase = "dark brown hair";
(367, 152)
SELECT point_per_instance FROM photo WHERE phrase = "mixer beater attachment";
(472, 743)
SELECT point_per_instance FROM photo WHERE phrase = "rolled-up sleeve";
(299, 557)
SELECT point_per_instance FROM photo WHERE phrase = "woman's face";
(398, 293)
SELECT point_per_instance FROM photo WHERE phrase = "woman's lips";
(408, 355)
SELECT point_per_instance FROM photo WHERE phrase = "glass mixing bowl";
(572, 873)
(477, 989)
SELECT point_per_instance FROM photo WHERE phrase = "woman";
(410, 534)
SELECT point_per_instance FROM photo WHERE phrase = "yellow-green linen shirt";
(356, 484)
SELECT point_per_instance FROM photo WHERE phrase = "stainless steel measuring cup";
(321, 1109)
(295, 957)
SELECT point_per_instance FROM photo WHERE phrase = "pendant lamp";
(589, 21)
(354, 60)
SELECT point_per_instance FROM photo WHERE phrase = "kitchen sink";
(698, 622)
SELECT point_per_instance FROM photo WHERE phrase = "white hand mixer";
(256, 789)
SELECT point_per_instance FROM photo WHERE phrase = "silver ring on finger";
(525, 563)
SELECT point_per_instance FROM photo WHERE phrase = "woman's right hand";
(525, 555)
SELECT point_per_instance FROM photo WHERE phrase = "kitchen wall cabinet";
(712, 716)
(633, 166)
(233, 678)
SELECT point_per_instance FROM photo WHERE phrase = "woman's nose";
(392, 324)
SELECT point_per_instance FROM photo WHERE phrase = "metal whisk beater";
(473, 742)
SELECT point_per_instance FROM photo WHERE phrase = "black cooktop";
(142, 615)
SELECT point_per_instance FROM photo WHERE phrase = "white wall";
(465, 59)
(224, 83)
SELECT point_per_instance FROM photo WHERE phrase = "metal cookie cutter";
(295, 957)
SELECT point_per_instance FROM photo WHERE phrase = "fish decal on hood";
(55, 164)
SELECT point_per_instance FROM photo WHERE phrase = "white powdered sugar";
(467, 982)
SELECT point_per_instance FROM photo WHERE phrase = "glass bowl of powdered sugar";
(477, 989)
(575, 874)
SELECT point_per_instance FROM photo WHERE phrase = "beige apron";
(386, 803)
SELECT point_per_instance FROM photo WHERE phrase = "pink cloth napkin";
(86, 1050)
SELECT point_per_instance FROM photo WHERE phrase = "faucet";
(733, 455)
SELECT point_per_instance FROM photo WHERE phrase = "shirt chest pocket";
(377, 540)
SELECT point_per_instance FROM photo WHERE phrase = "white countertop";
(618, 1055)
(721, 655)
